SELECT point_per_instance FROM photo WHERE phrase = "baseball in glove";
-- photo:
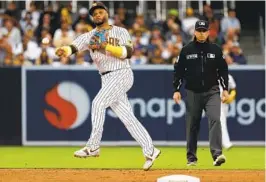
(98, 40)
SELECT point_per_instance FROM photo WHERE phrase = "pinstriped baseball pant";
(113, 93)
(225, 135)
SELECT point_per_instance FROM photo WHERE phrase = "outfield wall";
(56, 107)
(10, 106)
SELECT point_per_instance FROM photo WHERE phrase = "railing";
(161, 6)
(261, 32)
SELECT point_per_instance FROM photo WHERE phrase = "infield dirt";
(80, 175)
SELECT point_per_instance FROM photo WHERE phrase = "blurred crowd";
(31, 37)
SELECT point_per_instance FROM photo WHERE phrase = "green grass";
(126, 158)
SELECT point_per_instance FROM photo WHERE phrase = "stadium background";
(29, 69)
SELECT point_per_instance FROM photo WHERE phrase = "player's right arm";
(79, 44)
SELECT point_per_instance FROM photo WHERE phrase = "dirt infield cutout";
(80, 175)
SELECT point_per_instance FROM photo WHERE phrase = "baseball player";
(110, 48)
(224, 111)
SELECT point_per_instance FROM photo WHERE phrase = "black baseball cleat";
(191, 163)
(219, 160)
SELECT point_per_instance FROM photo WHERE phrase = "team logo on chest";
(192, 56)
(210, 55)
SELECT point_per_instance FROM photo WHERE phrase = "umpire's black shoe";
(219, 160)
(191, 163)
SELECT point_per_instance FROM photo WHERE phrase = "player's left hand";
(99, 40)
(225, 96)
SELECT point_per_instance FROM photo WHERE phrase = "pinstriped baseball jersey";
(117, 36)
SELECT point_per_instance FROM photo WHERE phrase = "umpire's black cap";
(202, 24)
(96, 5)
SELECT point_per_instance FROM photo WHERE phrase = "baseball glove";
(98, 40)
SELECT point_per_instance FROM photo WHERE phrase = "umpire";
(201, 65)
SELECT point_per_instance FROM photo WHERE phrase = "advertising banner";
(57, 102)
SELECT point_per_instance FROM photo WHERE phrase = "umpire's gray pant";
(211, 103)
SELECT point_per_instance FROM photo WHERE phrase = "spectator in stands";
(79, 29)
(8, 61)
(231, 22)
(139, 25)
(5, 50)
(35, 14)
(63, 36)
(20, 60)
(171, 26)
(2, 17)
(237, 54)
(13, 33)
(175, 35)
(226, 52)
(174, 56)
(47, 46)
(12, 11)
(155, 43)
(26, 23)
(44, 58)
(208, 15)
(155, 33)
(80, 60)
(229, 60)
(54, 13)
(45, 25)
(157, 57)
(139, 40)
(213, 38)
(139, 20)
(227, 47)
(65, 61)
(138, 57)
(30, 46)
(45, 33)
(167, 50)
(82, 28)
(118, 22)
(65, 16)
(172, 15)
(179, 41)
(230, 35)
(206, 9)
(188, 23)
(83, 17)
(122, 14)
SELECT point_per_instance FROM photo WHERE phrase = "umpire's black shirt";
(201, 65)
